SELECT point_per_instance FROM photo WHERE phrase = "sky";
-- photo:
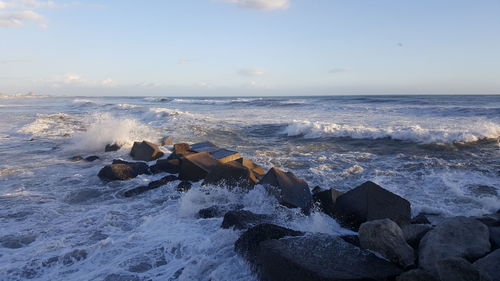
(250, 47)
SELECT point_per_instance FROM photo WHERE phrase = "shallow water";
(58, 221)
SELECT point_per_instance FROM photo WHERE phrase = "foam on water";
(52, 125)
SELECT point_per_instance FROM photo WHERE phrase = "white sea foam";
(470, 133)
(52, 125)
(85, 101)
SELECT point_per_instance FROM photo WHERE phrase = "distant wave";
(415, 133)
(158, 99)
(85, 102)
(21, 96)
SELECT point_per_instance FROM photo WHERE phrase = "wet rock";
(117, 172)
(171, 166)
(454, 237)
(76, 158)
(91, 158)
(112, 147)
(494, 237)
(420, 219)
(195, 167)
(385, 236)
(17, 241)
(351, 239)
(204, 147)
(217, 211)
(290, 190)
(489, 265)
(180, 150)
(326, 200)
(166, 141)
(257, 170)
(140, 167)
(248, 243)
(184, 186)
(370, 201)
(413, 233)
(225, 155)
(492, 220)
(244, 219)
(458, 269)
(152, 185)
(145, 151)
(121, 277)
(416, 275)
(74, 256)
(231, 174)
(319, 256)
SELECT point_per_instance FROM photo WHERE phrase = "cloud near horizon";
(262, 4)
(251, 72)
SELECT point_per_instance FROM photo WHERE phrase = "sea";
(59, 221)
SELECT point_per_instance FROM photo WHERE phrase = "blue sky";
(250, 47)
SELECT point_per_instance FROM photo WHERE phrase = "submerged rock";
(91, 158)
(319, 256)
(218, 210)
(145, 151)
(458, 269)
(76, 158)
(385, 236)
(290, 190)
(490, 265)
(152, 185)
(370, 201)
(244, 219)
(122, 170)
(454, 237)
(112, 147)
(184, 186)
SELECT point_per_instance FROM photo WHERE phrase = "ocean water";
(58, 221)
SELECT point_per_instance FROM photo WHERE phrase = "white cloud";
(17, 18)
(251, 72)
(261, 4)
(76, 80)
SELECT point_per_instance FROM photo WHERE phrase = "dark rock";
(351, 239)
(257, 170)
(290, 190)
(91, 158)
(74, 256)
(413, 233)
(244, 219)
(76, 158)
(458, 269)
(225, 155)
(231, 174)
(316, 189)
(490, 219)
(317, 257)
(180, 150)
(369, 202)
(420, 219)
(196, 166)
(489, 265)
(416, 275)
(494, 236)
(140, 167)
(326, 200)
(454, 237)
(385, 236)
(171, 166)
(112, 147)
(248, 243)
(166, 141)
(184, 186)
(117, 172)
(218, 210)
(145, 151)
(152, 185)
(204, 147)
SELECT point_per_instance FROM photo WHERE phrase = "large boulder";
(140, 167)
(244, 219)
(290, 190)
(112, 147)
(205, 146)
(171, 166)
(248, 243)
(454, 237)
(495, 237)
(117, 172)
(195, 167)
(490, 265)
(225, 155)
(317, 257)
(180, 150)
(458, 269)
(231, 174)
(416, 275)
(145, 151)
(370, 201)
(326, 200)
(257, 170)
(385, 236)
(413, 233)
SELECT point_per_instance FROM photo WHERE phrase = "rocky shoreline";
(389, 245)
